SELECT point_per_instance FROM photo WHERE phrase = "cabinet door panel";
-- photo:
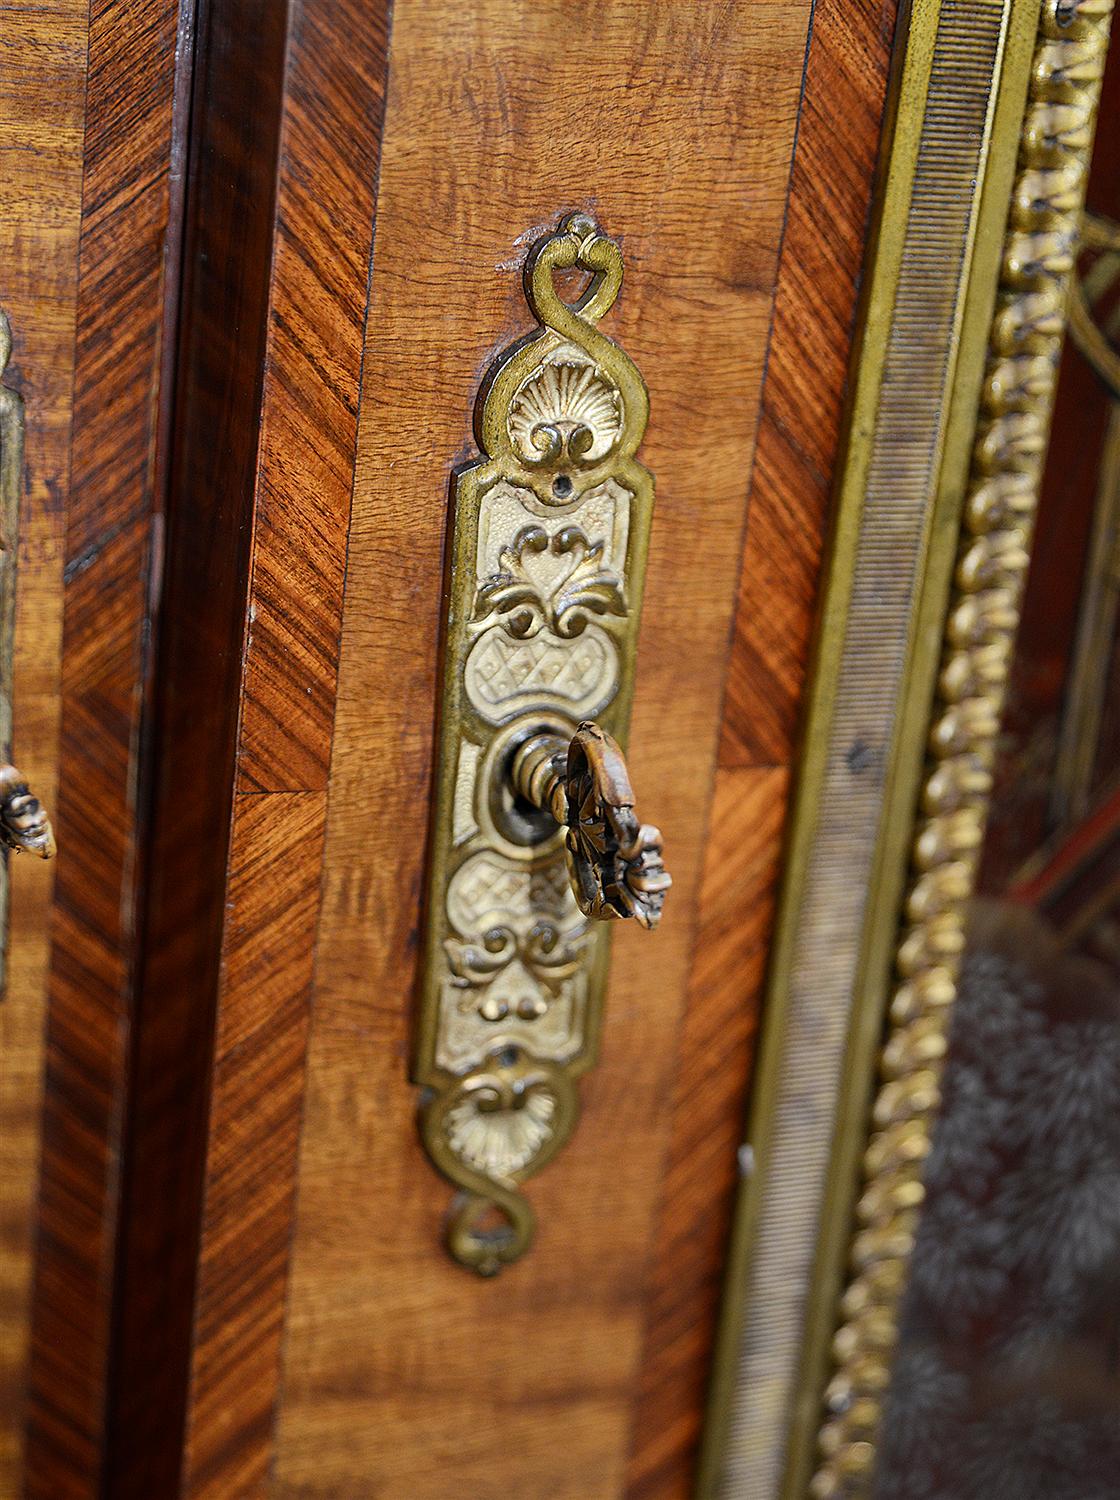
(317, 222)
(530, 1376)
(675, 128)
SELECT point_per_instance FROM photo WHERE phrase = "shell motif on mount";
(565, 410)
(547, 561)
(493, 1133)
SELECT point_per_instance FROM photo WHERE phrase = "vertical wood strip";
(666, 121)
(807, 359)
(272, 896)
(127, 237)
(42, 105)
(333, 98)
(713, 1064)
(228, 235)
(799, 432)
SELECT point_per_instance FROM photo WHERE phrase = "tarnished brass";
(614, 861)
(547, 560)
(23, 823)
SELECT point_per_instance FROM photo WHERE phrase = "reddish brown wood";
(235, 115)
(329, 143)
(814, 311)
(333, 104)
(713, 1063)
(42, 119)
(126, 260)
(277, 847)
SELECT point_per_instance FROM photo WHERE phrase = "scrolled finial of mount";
(577, 244)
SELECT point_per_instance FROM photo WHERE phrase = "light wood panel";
(674, 125)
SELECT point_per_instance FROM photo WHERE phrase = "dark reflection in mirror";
(1006, 1383)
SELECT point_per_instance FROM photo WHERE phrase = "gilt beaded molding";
(963, 318)
(1010, 447)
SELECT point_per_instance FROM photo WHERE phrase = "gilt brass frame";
(988, 137)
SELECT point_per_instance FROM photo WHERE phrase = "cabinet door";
(266, 259)
(296, 1303)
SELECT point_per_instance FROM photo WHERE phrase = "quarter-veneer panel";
(673, 124)
(736, 906)
(333, 103)
(272, 904)
(799, 432)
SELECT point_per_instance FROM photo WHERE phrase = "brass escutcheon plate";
(546, 566)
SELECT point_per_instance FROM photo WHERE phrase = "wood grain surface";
(674, 125)
(127, 260)
(43, 67)
(713, 1058)
(330, 135)
(827, 214)
(814, 312)
(222, 334)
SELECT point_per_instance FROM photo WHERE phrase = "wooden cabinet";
(89, 282)
(259, 258)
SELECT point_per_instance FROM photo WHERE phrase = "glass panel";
(1007, 1378)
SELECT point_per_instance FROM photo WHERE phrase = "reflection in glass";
(1006, 1383)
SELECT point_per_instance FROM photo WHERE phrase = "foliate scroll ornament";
(564, 598)
(1000, 504)
(547, 956)
(547, 559)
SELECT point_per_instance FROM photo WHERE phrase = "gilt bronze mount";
(536, 845)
